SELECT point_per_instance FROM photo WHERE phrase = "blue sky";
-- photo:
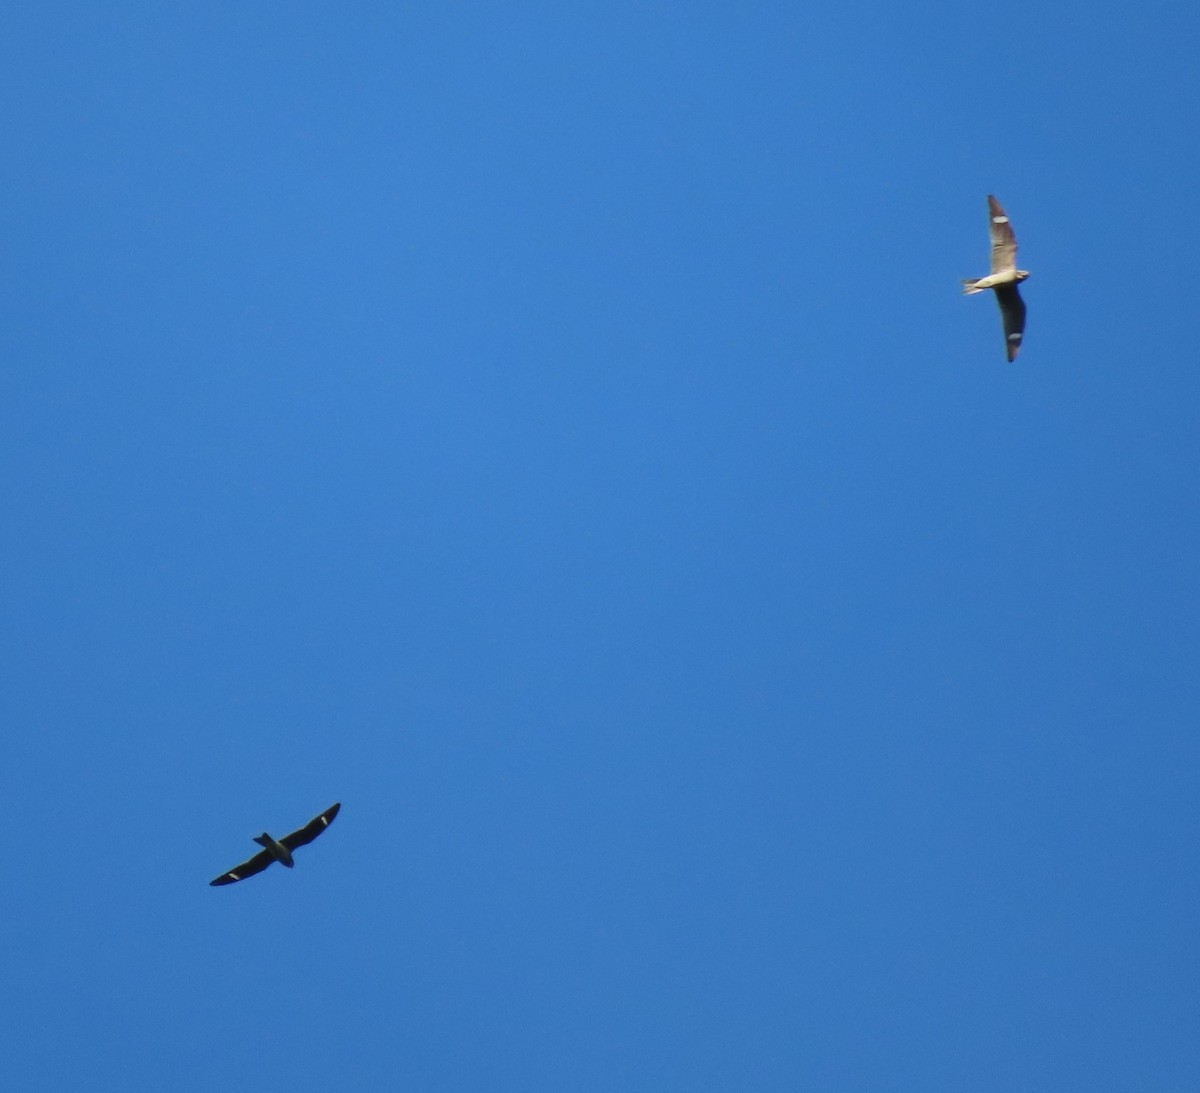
(556, 432)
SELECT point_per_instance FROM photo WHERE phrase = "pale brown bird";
(1004, 277)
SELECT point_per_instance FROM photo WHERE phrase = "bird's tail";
(970, 287)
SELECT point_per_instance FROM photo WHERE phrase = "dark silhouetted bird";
(1004, 277)
(280, 851)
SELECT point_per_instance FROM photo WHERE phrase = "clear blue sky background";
(555, 431)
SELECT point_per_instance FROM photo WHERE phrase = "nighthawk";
(281, 850)
(1004, 277)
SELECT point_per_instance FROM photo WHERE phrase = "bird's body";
(279, 850)
(1004, 278)
(276, 849)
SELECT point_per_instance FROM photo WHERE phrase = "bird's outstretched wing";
(1012, 311)
(247, 869)
(1004, 242)
(310, 830)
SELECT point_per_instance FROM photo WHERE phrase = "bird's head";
(1022, 274)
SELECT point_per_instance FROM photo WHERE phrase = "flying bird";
(1004, 277)
(280, 851)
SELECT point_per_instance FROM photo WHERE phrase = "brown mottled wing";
(247, 869)
(311, 830)
(1004, 243)
(1012, 311)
